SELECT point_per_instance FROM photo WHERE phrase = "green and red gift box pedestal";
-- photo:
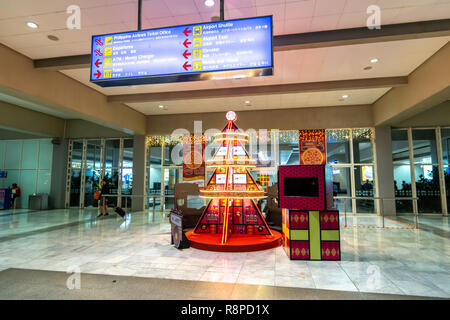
(311, 235)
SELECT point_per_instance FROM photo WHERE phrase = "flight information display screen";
(139, 57)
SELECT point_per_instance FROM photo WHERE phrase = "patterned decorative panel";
(319, 237)
(331, 250)
(302, 203)
(329, 220)
(299, 220)
(300, 250)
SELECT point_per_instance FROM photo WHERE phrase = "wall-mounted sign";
(193, 161)
(312, 146)
(203, 51)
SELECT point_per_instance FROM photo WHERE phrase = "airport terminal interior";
(210, 155)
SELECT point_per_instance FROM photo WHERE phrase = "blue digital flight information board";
(193, 52)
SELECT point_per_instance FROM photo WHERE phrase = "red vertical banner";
(312, 147)
(193, 160)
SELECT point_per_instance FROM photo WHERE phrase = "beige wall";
(30, 121)
(12, 134)
(436, 116)
(83, 129)
(285, 119)
(428, 86)
(19, 78)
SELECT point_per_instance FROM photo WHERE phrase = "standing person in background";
(16, 193)
(104, 200)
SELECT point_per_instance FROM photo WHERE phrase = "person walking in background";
(16, 193)
(103, 199)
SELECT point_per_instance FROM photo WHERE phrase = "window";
(342, 188)
(445, 134)
(400, 146)
(93, 159)
(422, 177)
(364, 187)
(127, 161)
(447, 183)
(261, 147)
(27, 163)
(350, 153)
(77, 153)
(402, 188)
(352, 173)
(338, 150)
(93, 154)
(288, 149)
(424, 146)
(362, 145)
(163, 171)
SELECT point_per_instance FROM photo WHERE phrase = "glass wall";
(163, 171)
(27, 163)
(402, 170)
(90, 160)
(288, 148)
(420, 157)
(349, 151)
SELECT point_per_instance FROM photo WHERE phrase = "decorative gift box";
(311, 235)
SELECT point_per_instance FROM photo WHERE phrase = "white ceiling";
(397, 58)
(108, 16)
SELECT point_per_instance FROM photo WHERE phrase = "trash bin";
(38, 201)
(5, 199)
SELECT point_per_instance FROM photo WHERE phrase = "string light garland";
(284, 137)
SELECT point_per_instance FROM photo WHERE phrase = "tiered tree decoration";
(232, 190)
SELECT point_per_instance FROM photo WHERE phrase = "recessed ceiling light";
(32, 25)
(247, 102)
(374, 60)
(209, 3)
(161, 106)
(345, 96)
(52, 37)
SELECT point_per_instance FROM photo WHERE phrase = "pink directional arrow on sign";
(186, 43)
(98, 74)
(186, 32)
(186, 54)
(97, 63)
(186, 66)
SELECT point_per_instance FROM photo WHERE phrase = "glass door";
(171, 177)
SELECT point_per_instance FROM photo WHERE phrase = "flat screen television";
(301, 187)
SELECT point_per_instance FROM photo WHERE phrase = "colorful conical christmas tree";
(232, 189)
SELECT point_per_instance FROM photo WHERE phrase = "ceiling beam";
(388, 82)
(62, 63)
(320, 39)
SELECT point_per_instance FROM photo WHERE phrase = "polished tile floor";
(393, 261)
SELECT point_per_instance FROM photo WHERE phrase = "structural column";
(58, 179)
(138, 173)
(385, 168)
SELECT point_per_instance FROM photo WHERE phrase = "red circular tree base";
(236, 243)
